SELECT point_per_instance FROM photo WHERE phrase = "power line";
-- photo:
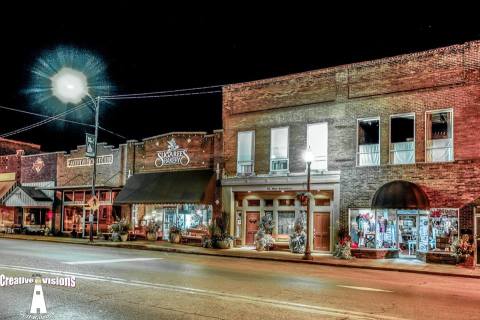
(165, 91)
(64, 120)
(159, 96)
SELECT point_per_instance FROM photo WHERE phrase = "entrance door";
(168, 221)
(321, 231)
(407, 235)
(477, 237)
(253, 219)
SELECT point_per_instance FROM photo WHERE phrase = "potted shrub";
(114, 229)
(120, 230)
(222, 239)
(174, 235)
(152, 228)
(461, 249)
(298, 239)
(263, 237)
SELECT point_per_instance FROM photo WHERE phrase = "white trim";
(453, 132)
(402, 115)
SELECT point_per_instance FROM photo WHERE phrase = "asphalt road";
(116, 283)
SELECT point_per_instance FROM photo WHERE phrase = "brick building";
(173, 181)
(74, 182)
(398, 159)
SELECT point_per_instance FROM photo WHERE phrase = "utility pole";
(96, 106)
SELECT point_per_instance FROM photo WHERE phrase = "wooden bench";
(193, 235)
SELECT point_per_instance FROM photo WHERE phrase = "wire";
(165, 91)
(159, 96)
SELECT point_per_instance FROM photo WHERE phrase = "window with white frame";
(439, 136)
(245, 150)
(402, 139)
(368, 150)
(317, 142)
(279, 149)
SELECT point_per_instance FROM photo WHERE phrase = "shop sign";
(85, 162)
(439, 212)
(174, 155)
(279, 188)
(38, 165)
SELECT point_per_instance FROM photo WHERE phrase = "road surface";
(112, 283)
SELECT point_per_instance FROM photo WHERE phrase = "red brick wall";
(39, 168)
(11, 163)
(8, 146)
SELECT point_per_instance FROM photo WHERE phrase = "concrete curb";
(227, 254)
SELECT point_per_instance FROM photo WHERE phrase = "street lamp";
(71, 86)
(308, 157)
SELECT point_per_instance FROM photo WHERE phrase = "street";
(116, 283)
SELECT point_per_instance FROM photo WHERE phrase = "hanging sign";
(174, 155)
(93, 203)
(90, 145)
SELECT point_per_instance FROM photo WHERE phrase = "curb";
(229, 255)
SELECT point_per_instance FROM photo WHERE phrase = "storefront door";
(407, 235)
(168, 221)
(253, 219)
(321, 231)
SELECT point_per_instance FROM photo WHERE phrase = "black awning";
(400, 195)
(167, 187)
(35, 194)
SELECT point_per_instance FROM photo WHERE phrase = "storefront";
(181, 199)
(401, 224)
(254, 197)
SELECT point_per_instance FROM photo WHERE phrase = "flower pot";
(124, 237)
(224, 244)
(152, 236)
(175, 237)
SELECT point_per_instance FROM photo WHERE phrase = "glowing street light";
(308, 157)
(71, 86)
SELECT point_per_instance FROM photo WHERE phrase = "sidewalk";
(399, 265)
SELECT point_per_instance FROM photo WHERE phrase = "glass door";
(168, 221)
(407, 235)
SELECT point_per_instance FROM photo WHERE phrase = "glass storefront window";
(286, 221)
(386, 229)
(362, 228)
(443, 228)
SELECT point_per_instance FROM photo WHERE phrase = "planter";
(116, 236)
(225, 244)
(175, 237)
(152, 236)
(124, 237)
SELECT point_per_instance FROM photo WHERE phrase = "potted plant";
(263, 237)
(174, 235)
(343, 248)
(152, 228)
(120, 230)
(298, 239)
(462, 249)
(114, 229)
(222, 240)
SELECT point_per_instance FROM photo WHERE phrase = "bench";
(193, 235)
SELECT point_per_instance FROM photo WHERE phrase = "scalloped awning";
(400, 195)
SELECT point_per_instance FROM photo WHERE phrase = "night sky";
(154, 47)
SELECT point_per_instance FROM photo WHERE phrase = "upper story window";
(402, 139)
(279, 149)
(317, 142)
(439, 136)
(245, 151)
(368, 150)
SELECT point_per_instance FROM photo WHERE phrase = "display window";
(286, 221)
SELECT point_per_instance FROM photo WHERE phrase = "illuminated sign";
(174, 155)
(85, 162)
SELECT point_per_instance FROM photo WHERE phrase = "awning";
(28, 197)
(194, 186)
(5, 187)
(400, 195)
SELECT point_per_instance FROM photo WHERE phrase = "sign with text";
(174, 155)
(89, 145)
(85, 162)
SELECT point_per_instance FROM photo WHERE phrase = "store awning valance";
(400, 195)
(28, 197)
(192, 186)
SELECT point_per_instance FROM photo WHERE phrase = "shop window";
(362, 228)
(321, 202)
(269, 203)
(386, 229)
(79, 196)
(279, 149)
(402, 139)
(105, 195)
(286, 202)
(286, 220)
(253, 203)
(439, 136)
(245, 152)
(317, 142)
(68, 196)
(443, 228)
(368, 152)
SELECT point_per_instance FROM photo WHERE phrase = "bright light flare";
(69, 85)
(308, 156)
